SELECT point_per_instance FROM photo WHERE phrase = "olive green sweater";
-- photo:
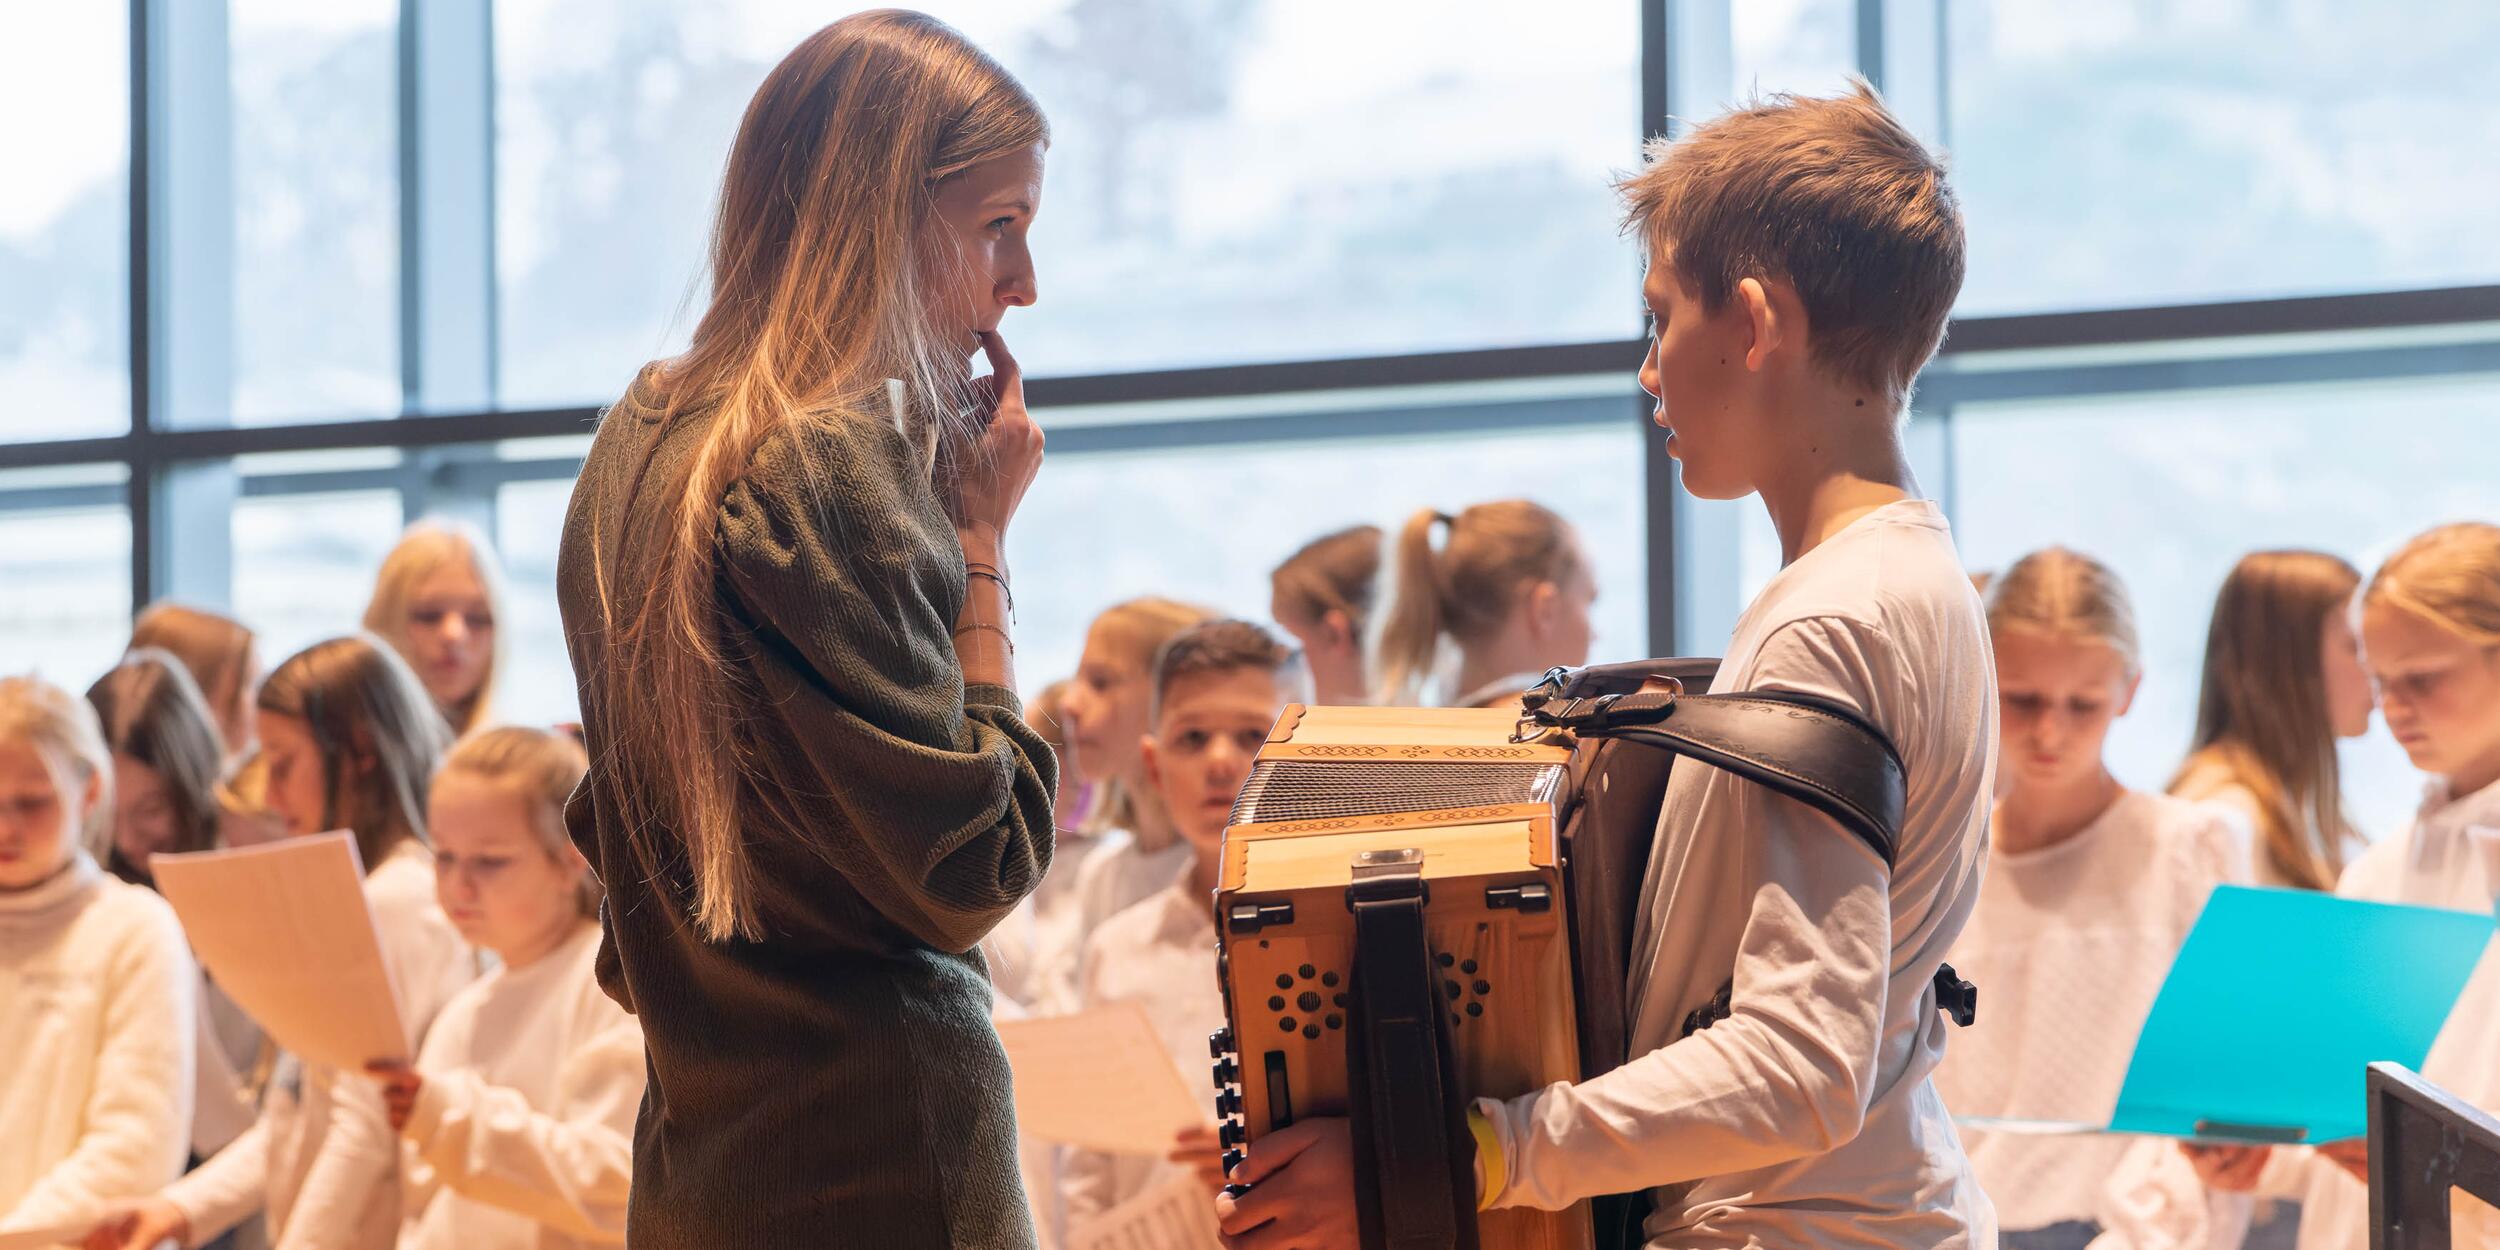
(838, 1082)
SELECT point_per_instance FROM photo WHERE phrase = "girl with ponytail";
(1508, 589)
(812, 790)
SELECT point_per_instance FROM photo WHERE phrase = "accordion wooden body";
(1439, 800)
(1421, 907)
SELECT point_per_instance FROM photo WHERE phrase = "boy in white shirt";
(1218, 689)
(1803, 256)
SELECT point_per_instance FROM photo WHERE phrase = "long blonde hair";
(542, 767)
(358, 699)
(63, 731)
(2261, 710)
(826, 259)
(427, 546)
(1463, 591)
(2449, 576)
(2066, 594)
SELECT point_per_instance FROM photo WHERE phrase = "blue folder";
(2279, 1002)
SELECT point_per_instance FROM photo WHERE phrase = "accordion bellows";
(1447, 792)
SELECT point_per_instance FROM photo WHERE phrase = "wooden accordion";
(1420, 907)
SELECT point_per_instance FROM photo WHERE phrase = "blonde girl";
(518, 1117)
(96, 984)
(439, 601)
(1322, 595)
(2091, 888)
(1107, 708)
(351, 742)
(2282, 683)
(1508, 589)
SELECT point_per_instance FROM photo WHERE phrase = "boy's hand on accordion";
(1198, 1149)
(1301, 1195)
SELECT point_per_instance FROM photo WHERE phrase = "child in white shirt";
(518, 1118)
(2091, 889)
(351, 742)
(2430, 637)
(96, 984)
(1218, 689)
(1803, 255)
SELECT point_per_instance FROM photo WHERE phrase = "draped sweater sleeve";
(942, 792)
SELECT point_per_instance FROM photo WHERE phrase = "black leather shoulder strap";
(1809, 749)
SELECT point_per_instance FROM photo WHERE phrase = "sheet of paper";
(43, 1238)
(1100, 1079)
(2029, 1128)
(1176, 1215)
(284, 930)
(2278, 1003)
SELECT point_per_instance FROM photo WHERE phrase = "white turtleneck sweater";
(321, 1159)
(522, 1137)
(96, 1041)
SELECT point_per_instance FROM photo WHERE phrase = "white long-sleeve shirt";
(2070, 944)
(1160, 954)
(321, 1160)
(95, 1046)
(1804, 1119)
(522, 1137)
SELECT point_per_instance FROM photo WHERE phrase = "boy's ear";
(1767, 321)
(1149, 754)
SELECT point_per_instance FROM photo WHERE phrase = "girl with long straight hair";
(2282, 682)
(812, 791)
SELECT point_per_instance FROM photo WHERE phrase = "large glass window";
(304, 563)
(64, 224)
(2150, 152)
(316, 220)
(64, 572)
(536, 685)
(1207, 524)
(2170, 490)
(1285, 179)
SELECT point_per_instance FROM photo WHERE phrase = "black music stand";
(2424, 1142)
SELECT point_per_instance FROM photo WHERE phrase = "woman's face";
(1106, 710)
(298, 789)
(2056, 699)
(2348, 695)
(492, 872)
(1568, 629)
(39, 817)
(984, 213)
(2439, 691)
(143, 811)
(451, 633)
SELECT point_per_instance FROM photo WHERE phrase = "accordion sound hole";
(1295, 789)
(1308, 1000)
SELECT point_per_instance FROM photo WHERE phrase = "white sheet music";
(285, 932)
(1099, 1079)
(1176, 1215)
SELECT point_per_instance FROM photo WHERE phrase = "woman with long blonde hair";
(2282, 682)
(439, 602)
(812, 791)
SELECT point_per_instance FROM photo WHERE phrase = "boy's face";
(1210, 732)
(1705, 371)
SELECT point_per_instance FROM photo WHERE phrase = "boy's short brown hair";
(1836, 197)
(1221, 647)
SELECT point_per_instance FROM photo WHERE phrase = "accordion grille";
(1321, 789)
